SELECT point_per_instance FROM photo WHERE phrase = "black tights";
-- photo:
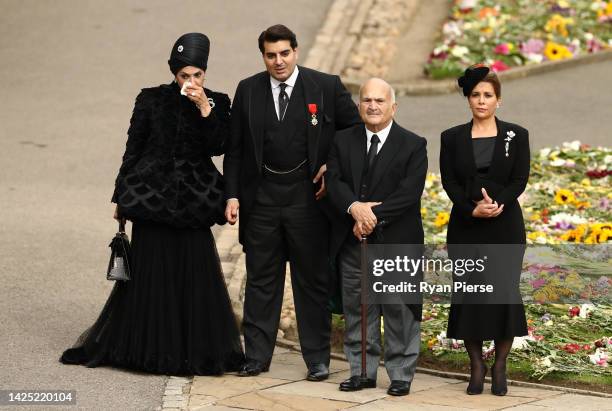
(474, 350)
(502, 349)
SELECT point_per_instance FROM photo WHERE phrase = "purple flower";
(604, 204)
(545, 318)
(564, 225)
(532, 46)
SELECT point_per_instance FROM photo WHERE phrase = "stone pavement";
(284, 388)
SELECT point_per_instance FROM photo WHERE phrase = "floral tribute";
(511, 33)
(568, 201)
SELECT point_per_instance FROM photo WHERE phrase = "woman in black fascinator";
(174, 316)
(485, 167)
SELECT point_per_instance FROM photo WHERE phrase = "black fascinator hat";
(471, 77)
(190, 49)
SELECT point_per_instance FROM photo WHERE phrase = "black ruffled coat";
(167, 174)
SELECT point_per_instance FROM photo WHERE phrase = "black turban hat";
(471, 77)
(190, 49)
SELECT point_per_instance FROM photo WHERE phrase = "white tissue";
(185, 85)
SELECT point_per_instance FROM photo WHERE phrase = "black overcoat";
(167, 174)
(505, 181)
(397, 181)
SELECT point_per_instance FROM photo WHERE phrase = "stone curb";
(434, 87)
(464, 377)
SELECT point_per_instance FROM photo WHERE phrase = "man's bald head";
(377, 104)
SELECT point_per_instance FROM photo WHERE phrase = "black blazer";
(397, 182)
(505, 181)
(167, 174)
(242, 164)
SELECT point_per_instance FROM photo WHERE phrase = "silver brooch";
(211, 102)
(180, 48)
(510, 135)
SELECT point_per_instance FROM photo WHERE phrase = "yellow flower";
(586, 182)
(564, 196)
(431, 343)
(534, 235)
(575, 235)
(423, 211)
(442, 219)
(581, 204)
(558, 24)
(555, 51)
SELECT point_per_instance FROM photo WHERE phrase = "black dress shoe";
(252, 368)
(475, 387)
(499, 384)
(317, 372)
(399, 388)
(356, 383)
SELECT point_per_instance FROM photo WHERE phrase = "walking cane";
(364, 307)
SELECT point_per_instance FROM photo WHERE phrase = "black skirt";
(489, 321)
(173, 317)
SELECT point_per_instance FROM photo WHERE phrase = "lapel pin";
(312, 109)
(510, 135)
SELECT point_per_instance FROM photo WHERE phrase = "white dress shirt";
(275, 84)
(382, 136)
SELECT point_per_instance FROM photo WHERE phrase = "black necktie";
(373, 150)
(283, 101)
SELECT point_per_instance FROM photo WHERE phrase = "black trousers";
(286, 225)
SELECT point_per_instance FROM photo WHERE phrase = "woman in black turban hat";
(174, 316)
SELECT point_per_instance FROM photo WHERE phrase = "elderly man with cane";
(375, 178)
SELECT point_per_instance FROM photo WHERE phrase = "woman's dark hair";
(492, 78)
(276, 33)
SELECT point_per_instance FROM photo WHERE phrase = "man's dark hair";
(276, 33)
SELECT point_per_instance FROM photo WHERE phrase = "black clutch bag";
(119, 268)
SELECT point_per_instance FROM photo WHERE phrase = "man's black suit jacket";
(397, 181)
(242, 165)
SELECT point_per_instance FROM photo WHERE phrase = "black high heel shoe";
(476, 387)
(499, 384)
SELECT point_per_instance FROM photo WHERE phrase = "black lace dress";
(174, 317)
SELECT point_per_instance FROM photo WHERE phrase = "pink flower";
(502, 49)
(538, 283)
(532, 46)
(498, 66)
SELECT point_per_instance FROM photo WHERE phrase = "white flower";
(440, 49)
(467, 4)
(520, 343)
(510, 134)
(608, 159)
(459, 51)
(574, 145)
(557, 162)
(600, 357)
(566, 218)
(544, 152)
(545, 361)
(534, 57)
(451, 29)
(585, 309)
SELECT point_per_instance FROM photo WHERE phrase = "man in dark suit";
(283, 123)
(375, 179)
